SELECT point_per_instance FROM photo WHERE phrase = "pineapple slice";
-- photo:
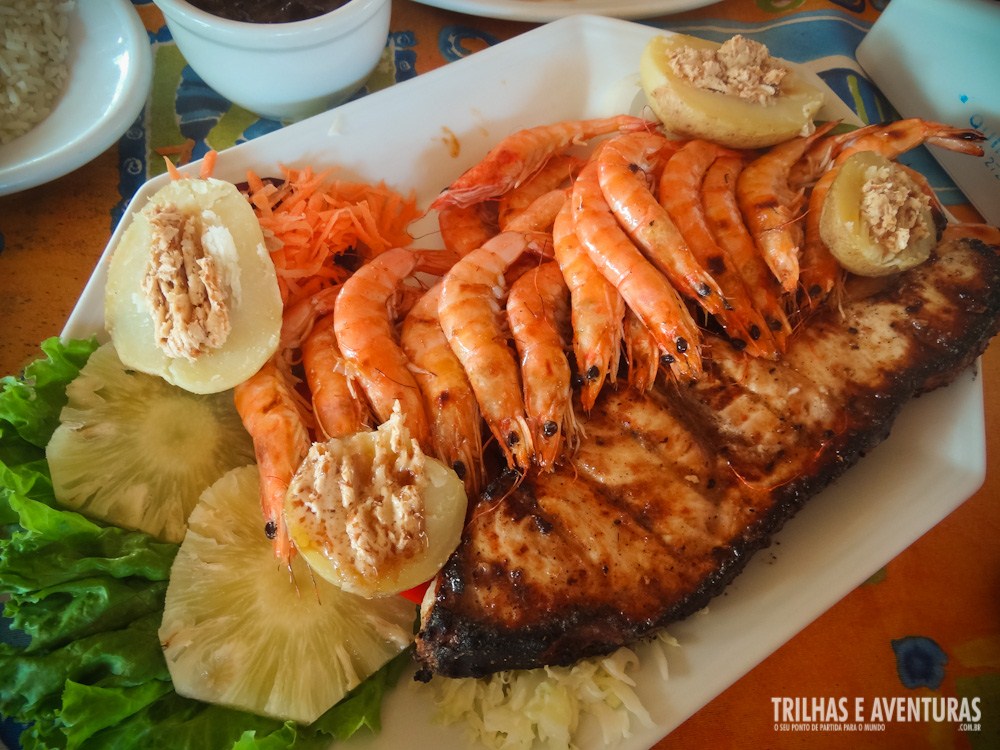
(733, 93)
(241, 631)
(192, 294)
(876, 219)
(136, 451)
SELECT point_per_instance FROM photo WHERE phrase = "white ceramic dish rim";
(541, 11)
(934, 460)
(111, 70)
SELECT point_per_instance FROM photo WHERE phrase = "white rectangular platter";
(420, 135)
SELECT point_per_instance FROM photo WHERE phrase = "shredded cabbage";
(521, 709)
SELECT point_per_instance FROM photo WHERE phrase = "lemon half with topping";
(876, 219)
(192, 294)
(733, 93)
(372, 513)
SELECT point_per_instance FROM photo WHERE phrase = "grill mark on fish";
(672, 491)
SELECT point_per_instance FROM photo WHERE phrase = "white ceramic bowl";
(110, 70)
(283, 71)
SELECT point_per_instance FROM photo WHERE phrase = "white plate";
(934, 460)
(541, 11)
(110, 70)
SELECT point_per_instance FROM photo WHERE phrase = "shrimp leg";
(642, 286)
(596, 308)
(448, 396)
(473, 293)
(538, 312)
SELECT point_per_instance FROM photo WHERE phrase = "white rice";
(33, 52)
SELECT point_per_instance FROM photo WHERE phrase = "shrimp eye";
(667, 359)
(593, 372)
(682, 344)
(550, 428)
(513, 438)
(270, 529)
(739, 344)
(754, 331)
(775, 325)
(459, 467)
(704, 290)
(577, 379)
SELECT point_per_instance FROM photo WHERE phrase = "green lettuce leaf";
(29, 414)
(30, 404)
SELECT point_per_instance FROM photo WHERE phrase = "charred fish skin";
(672, 492)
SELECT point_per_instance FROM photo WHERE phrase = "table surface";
(944, 588)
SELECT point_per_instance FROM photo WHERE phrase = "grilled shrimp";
(624, 165)
(465, 228)
(558, 172)
(270, 413)
(643, 287)
(298, 320)
(896, 138)
(681, 193)
(364, 321)
(538, 313)
(277, 417)
(771, 207)
(448, 397)
(338, 410)
(722, 214)
(596, 308)
(541, 214)
(470, 308)
(518, 156)
(891, 141)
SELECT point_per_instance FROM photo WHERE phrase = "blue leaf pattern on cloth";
(920, 661)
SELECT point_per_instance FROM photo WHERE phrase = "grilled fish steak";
(671, 492)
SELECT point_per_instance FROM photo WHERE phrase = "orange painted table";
(940, 598)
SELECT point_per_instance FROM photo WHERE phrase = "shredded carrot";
(172, 170)
(207, 166)
(310, 222)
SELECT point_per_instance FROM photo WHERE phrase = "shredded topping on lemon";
(368, 510)
(740, 67)
(187, 294)
(892, 207)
